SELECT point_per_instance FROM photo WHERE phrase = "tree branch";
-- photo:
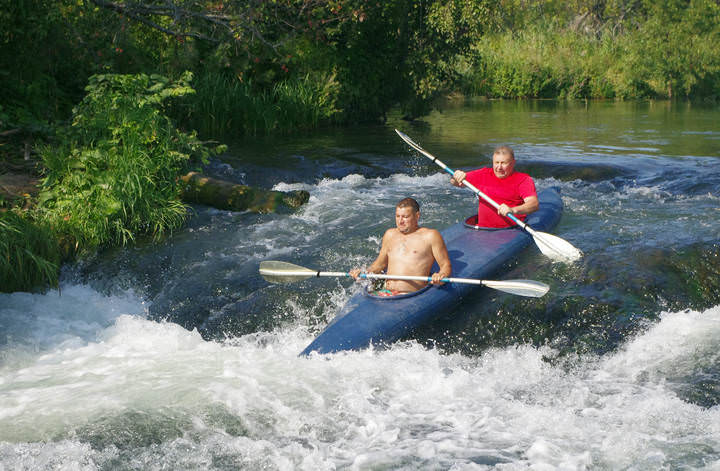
(232, 21)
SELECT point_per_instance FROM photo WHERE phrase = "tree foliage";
(378, 54)
(396, 51)
(602, 49)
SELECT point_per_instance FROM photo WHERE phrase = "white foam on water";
(86, 381)
(343, 211)
(631, 216)
(140, 394)
(335, 205)
(64, 318)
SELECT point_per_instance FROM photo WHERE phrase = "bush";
(115, 173)
(667, 50)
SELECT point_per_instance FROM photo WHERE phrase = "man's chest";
(495, 187)
(410, 247)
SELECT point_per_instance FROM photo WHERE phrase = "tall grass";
(543, 64)
(225, 106)
(558, 63)
(29, 255)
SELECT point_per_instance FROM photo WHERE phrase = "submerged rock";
(222, 194)
(574, 171)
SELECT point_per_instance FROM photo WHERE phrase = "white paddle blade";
(556, 248)
(407, 139)
(529, 288)
(284, 272)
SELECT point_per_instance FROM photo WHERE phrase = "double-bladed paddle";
(552, 246)
(284, 272)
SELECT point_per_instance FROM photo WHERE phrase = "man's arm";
(441, 257)
(381, 262)
(530, 205)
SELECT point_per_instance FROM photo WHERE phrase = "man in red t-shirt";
(513, 191)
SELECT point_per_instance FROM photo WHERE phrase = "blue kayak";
(475, 252)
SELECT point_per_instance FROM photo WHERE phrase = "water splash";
(144, 393)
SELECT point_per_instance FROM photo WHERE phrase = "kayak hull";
(474, 253)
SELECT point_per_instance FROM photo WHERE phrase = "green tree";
(678, 47)
(403, 51)
(383, 53)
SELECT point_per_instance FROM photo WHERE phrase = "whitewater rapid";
(178, 355)
(87, 381)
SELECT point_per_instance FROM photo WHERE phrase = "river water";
(178, 355)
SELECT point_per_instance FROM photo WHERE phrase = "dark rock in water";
(569, 172)
(222, 194)
(592, 307)
(224, 171)
(221, 310)
(689, 277)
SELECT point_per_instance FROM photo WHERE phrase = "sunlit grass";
(29, 254)
(225, 107)
(547, 62)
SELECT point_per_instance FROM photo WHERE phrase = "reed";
(29, 255)
(550, 63)
(224, 107)
(539, 64)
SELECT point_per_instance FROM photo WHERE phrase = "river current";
(178, 355)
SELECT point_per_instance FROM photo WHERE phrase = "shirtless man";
(409, 249)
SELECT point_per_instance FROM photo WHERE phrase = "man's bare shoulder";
(391, 234)
(429, 232)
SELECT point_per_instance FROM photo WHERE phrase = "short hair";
(408, 203)
(504, 150)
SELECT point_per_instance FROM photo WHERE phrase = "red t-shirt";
(511, 191)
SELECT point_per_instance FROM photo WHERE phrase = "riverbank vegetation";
(30, 254)
(277, 66)
(112, 99)
(114, 172)
(666, 50)
(111, 174)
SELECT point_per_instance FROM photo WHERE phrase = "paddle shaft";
(380, 276)
(283, 272)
